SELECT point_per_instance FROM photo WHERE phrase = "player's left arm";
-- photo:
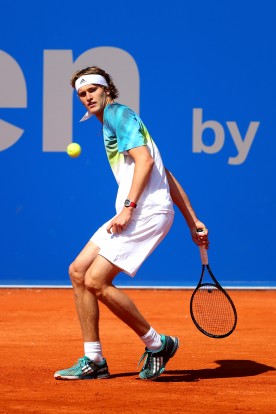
(142, 172)
(182, 201)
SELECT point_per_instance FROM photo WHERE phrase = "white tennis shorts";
(129, 249)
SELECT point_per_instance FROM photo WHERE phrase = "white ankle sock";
(93, 350)
(152, 340)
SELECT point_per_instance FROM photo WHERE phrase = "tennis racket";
(212, 310)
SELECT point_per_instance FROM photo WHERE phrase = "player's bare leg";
(92, 276)
(98, 280)
(87, 367)
(86, 302)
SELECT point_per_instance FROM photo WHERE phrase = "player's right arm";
(182, 201)
(142, 171)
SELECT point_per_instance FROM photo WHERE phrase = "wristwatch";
(129, 203)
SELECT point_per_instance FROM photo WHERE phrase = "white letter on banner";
(13, 95)
(243, 146)
(57, 96)
(199, 127)
(57, 100)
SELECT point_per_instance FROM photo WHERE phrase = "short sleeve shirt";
(123, 130)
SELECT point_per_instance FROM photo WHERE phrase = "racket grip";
(203, 252)
(203, 255)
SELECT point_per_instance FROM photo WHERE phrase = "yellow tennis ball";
(73, 150)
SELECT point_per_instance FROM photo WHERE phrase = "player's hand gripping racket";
(212, 310)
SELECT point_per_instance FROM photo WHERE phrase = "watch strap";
(129, 203)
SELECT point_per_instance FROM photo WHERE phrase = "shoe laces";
(147, 355)
(83, 361)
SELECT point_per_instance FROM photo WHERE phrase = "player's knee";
(94, 285)
(76, 275)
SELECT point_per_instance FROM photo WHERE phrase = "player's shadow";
(225, 369)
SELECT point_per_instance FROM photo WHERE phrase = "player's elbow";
(149, 163)
(145, 164)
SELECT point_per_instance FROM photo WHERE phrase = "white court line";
(137, 287)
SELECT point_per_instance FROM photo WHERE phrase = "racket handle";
(203, 255)
(203, 251)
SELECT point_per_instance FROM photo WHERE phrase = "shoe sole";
(86, 377)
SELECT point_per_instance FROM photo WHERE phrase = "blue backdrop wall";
(202, 76)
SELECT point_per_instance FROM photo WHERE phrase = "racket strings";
(213, 311)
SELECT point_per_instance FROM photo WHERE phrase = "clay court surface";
(40, 334)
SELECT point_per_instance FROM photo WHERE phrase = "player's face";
(94, 98)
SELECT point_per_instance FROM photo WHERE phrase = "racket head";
(213, 311)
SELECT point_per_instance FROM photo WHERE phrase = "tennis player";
(144, 215)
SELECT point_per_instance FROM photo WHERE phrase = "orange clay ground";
(40, 334)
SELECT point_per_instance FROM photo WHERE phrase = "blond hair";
(95, 70)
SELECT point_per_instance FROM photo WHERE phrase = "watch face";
(129, 203)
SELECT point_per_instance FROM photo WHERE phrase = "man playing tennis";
(144, 215)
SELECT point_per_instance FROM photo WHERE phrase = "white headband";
(90, 79)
